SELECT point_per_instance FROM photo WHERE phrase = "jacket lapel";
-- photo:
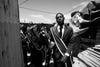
(56, 30)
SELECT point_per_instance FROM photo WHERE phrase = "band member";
(89, 36)
(94, 27)
(61, 33)
(92, 24)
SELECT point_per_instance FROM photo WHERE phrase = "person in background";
(90, 35)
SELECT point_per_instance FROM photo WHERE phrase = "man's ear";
(64, 18)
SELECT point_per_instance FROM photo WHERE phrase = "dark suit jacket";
(66, 38)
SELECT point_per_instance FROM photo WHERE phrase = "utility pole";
(10, 46)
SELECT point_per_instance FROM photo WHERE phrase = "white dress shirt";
(58, 28)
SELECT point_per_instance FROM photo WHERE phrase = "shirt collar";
(58, 28)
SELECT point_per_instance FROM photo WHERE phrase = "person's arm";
(85, 24)
(88, 24)
(51, 41)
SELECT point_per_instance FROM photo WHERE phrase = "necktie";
(60, 33)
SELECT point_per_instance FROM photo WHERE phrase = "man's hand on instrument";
(64, 58)
(51, 44)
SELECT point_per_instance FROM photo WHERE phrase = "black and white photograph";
(49, 33)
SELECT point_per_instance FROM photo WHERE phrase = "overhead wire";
(36, 10)
(78, 6)
(23, 2)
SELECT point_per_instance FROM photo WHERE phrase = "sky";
(45, 10)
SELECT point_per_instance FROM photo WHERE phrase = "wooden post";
(10, 46)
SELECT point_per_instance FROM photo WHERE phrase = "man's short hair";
(60, 14)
